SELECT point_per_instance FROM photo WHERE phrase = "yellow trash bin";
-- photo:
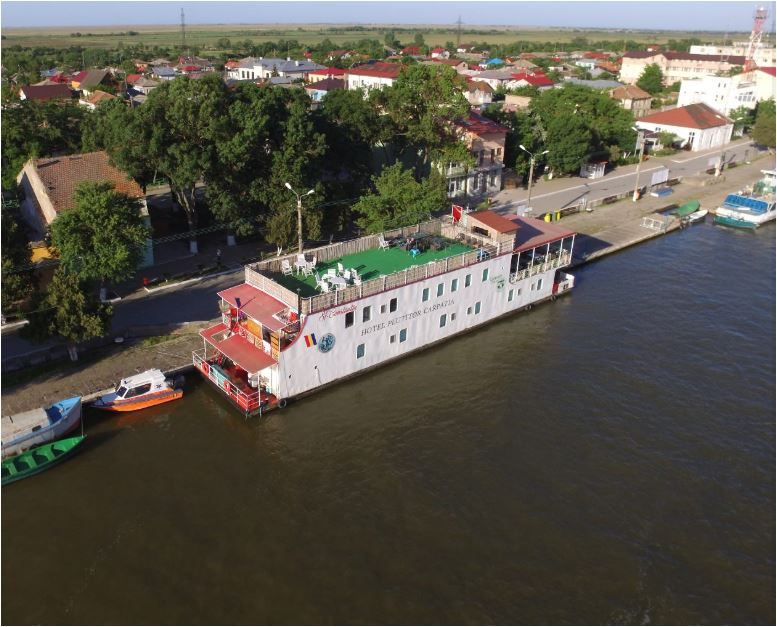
(547, 217)
(558, 216)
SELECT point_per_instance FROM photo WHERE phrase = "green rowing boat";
(687, 209)
(38, 459)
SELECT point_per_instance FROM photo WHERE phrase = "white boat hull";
(30, 429)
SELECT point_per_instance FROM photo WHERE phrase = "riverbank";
(605, 230)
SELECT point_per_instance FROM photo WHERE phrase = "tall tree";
(568, 141)
(423, 103)
(400, 200)
(295, 161)
(103, 237)
(17, 284)
(763, 130)
(70, 311)
(651, 79)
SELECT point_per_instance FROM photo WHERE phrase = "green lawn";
(370, 264)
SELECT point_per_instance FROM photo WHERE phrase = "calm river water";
(608, 458)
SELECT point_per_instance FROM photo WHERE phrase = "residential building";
(145, 85)
(57, 91)
(89, 80)
(163, 72)
(326, 72)
(252, 68)
(515, 103)
(319, 89)
(412, 51)
(95, 98)
(479, 93)
(726, 93)
(48, 188)
(457, 64)
(696, 126)
(495, 78)
(485, 140)
(633, 99)
(765, 53)
(592, 84)
(373, 76)
(675, 66)
(439, 53)
(533, 79)
(588, 64)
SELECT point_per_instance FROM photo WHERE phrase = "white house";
(372, 76)
(698, 126)
(252, 68)
(765, 53)
(726, 93)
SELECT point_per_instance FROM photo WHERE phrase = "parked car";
(662, 191)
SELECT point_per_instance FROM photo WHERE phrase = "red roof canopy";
(534, 232)
(691, 116)
(494, 221)
(256, 304)
(249, 357)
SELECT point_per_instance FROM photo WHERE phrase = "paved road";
(560, 193)
(198, 301)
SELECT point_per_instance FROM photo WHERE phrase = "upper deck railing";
(257, 274)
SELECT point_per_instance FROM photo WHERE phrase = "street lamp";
(531, 168)
(641, 140)
(299, 211)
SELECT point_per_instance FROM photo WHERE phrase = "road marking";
(590, 186)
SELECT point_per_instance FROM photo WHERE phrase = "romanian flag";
(310, 340)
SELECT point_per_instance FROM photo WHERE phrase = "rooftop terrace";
(370, 264)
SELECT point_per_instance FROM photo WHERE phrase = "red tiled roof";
(46, 92)
(629, 91)
(79, 76)
(231, 64)
(768, 70)
(438, 49)
(98, 96)
(327, 84)
(249, 357)
(411, 50)
(61, 175)
(131, 78)
(380, 70)
(451, 62)
(692, 116)
(328, 71)
(533, 232)
(494, 221)
(480, 125)
(256, 304)
(535, 78)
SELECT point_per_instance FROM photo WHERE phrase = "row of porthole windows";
(454, 285)
(367, 312)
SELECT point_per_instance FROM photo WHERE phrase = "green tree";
(763, 130)
(297, 162)
(667, 139)
(423, 104)
(400, 200)
(102, 238)
(390, 39)
(568, 141)
(16, 285)
(651, 79)
(70, 311)
(418, 40)
(743, 117)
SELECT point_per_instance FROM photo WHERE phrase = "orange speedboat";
(142, 390)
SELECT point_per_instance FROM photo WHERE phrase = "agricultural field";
(205, 36)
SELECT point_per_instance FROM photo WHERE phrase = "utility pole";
(183, 33)
(531, 169)
(458, 32)
(641, 139)
(299, 212)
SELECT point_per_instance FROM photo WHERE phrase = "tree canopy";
(400, 200)
(103, 236)
(651, 79)
(763, 130)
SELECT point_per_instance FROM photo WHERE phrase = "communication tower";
(759, 19)
(183, 32)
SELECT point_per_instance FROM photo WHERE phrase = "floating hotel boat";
(284, 335)
(38, 459)
(750, 211)
(39, 426)
(142, 390)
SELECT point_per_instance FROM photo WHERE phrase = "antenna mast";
(759, 19)
(183, 32)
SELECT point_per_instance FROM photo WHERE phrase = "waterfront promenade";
(605, 230)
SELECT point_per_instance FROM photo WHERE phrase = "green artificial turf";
(370, 264)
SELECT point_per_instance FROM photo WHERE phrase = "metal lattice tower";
(183, 32)
(759, 19)
(458, 32)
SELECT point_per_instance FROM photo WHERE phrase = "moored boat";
(733, 221)
(38, 459)
(142, 390)
(698, 216)
(39, 426)
(751, 208)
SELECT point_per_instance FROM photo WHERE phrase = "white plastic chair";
(340, 268)
(331, 272)
(347, 275)
(357, 280)
(286, 267)
(383, 243)
(323, 286)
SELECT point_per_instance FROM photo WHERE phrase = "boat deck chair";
(384, 245)
(286, 267)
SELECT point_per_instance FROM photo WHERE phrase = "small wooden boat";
(39, 426)
(697, 216)
(142, 390)
(38, 459)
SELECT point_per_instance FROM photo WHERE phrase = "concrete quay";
(603, 231)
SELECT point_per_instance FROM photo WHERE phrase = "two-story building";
(675, 66)
(373, 76)
(485, 140)
(726, 93)
(633, 99)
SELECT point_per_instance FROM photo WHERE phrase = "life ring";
(281, 403)
(205, 367)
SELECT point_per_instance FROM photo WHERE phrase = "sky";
(658, 14)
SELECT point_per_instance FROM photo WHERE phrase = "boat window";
(425, 294)
(121, 391)
(402, 335)
(366, 313)
(440, 289)
(349, 319)
(468, 280)
(360, 351)
(393, 304)
(485, 274)
(141, 389)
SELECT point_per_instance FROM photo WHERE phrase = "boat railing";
(246, 401)
(552, 261)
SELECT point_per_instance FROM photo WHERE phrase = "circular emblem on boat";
(326, 343)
